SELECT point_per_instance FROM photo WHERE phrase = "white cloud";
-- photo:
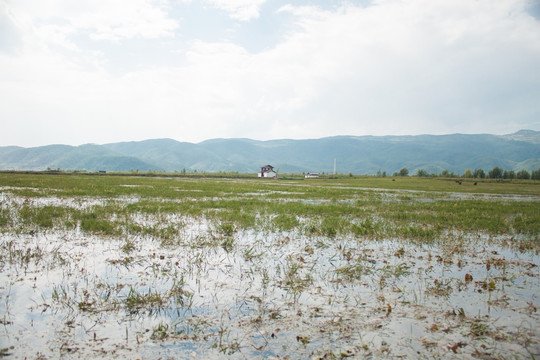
(243, 10)
(102, 19)
(394, 67)
(418, 66)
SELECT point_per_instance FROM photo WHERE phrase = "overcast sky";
(100, 71)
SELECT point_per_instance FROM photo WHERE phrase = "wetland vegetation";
(189, 267)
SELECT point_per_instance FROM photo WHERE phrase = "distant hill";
(84, 157)
(353, 154)
(525, 135)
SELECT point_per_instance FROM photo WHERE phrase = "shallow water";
(65, 293)
(275, 294)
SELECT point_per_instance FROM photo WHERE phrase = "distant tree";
(535, 175)
(422, 173)
(479, 174)
(509, 174)
(384, 174)
(446, 173)
(395, 173)
(468, 173)
(495, 173)
(523, 174)
(379, 173)
(404, 172)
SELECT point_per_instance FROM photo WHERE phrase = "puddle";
(75, 203)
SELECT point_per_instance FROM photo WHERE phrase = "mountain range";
(351, 154)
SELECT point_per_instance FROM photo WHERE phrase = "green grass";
(5, 218)
(90, 222)
(413, 208)
(42, 217)
(285, 222)
(179, 187)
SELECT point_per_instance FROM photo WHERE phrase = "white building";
(267, 171)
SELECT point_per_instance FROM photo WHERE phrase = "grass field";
(170, 266)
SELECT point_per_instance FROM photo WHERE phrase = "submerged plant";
(441, 287)
(182, 296)
(160, 332)
(478, 328)
(226, 229)
(136, 301)
(293, 280)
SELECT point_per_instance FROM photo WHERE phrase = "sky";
(102, 71)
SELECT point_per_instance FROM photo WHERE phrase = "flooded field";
(177, 268)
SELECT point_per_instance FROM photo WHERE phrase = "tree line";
(495, 173)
